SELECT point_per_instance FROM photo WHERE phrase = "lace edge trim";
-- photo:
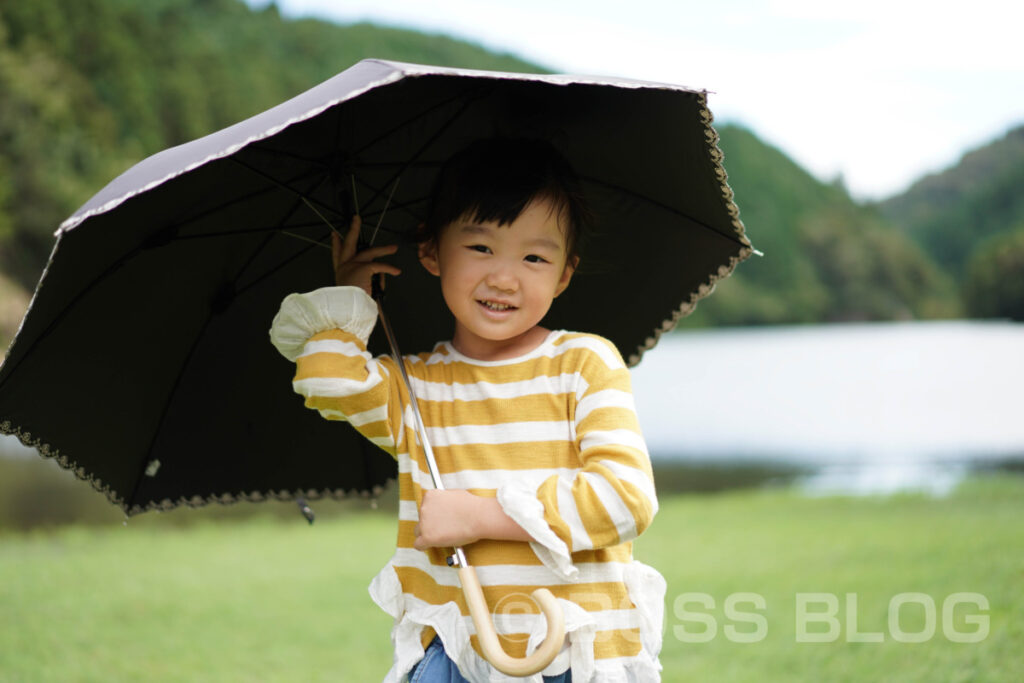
(724, 270)
(197, 501)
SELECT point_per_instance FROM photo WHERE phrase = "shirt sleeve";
(611, 498)
(325, 333)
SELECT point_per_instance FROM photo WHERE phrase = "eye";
(533, 258)
(482, 248)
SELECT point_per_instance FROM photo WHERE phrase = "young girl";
(547, 478)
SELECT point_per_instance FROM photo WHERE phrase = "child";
(547, 478)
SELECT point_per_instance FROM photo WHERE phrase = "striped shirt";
(552, 434)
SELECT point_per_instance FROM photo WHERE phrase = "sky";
(877, 92)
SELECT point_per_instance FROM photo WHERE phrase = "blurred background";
(876, 154)
(877, 160)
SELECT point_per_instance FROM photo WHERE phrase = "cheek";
(541, 294)
(457, 280)
(461, 270)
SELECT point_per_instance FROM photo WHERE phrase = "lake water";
(850, 408)
(865, 407)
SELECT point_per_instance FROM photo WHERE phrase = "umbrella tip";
(306, 511)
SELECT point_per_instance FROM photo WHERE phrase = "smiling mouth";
(495, 306)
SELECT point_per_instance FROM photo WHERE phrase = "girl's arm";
(452, 518)
(611, 499)
(324, 332)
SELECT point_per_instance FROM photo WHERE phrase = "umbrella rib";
(281, 184)
(289, 155)
(402, 166)
(130, 500)
(244, 231)
(60, 316)
(395, 205)
(291, 258)
(418, 115)
(473, 95)
(404, 206)
(305, 239)
(181, 370)
(337, 130)
(264, 276)
(392, 164)
(249, 231)
(301, 197)
(239, 291)
(221, 207)
(666, 207)
(288, 214)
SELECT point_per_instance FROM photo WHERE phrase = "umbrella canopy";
(143, 363)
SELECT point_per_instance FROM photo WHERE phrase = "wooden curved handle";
(489, 643)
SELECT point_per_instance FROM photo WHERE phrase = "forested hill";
(970, 218)
(826, 259)
(985, 190)
(88, 88)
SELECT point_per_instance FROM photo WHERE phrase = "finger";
(373, 268)
(375, 252)
(336, 250)
(351, 239)
(386, 269)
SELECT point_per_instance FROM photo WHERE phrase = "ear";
(570, 268)
(428, 256)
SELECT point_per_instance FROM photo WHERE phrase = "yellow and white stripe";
(552, 434)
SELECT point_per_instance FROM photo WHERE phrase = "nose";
(503, 278)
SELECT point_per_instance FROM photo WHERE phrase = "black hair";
(495, 179)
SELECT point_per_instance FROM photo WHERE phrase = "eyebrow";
(474, 229)
(545, 242)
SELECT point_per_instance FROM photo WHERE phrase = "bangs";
(496, 179)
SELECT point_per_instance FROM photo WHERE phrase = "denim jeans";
(436, 667)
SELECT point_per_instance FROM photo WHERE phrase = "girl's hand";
(351, 268)
(446, 519)
(455, 517)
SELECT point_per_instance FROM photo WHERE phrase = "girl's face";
(499, 281)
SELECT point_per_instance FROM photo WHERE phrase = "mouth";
(495, 306)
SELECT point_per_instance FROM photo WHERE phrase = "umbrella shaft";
(459, 558)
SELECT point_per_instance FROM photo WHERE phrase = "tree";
(55, 149)
(994, 287)
(870, 271)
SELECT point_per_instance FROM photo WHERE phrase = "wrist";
(475, 514)
(490, 521)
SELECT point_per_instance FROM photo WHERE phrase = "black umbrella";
(143, 363)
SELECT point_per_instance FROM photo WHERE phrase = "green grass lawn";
(270, 600)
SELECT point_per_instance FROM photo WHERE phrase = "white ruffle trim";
(646, 587)
(328, 308)
(519, 501)
(646, 590)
